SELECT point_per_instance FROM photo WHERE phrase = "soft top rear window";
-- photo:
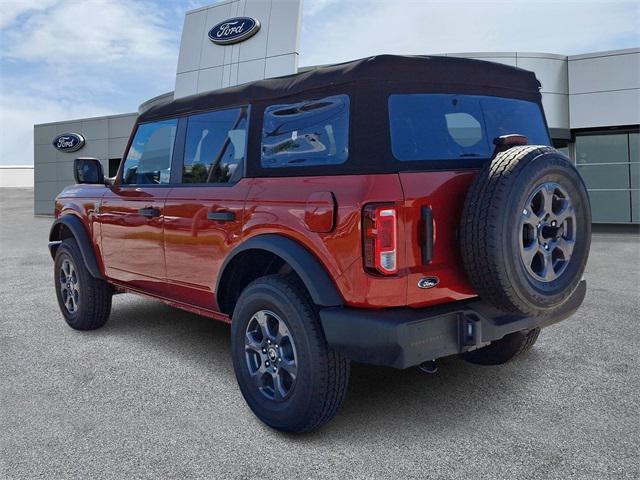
(450, 127)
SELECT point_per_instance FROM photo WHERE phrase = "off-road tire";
(490, 230)
(94, 302)
(322, 374)
(503, 350)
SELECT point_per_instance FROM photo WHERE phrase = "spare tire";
(526, 230)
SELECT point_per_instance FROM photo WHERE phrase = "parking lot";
(153, 394)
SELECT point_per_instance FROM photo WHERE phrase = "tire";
(90, 303)
(526, 230)
(503, 350)
(276, 309)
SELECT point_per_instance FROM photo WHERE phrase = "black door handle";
(224, 216)
(149, 212)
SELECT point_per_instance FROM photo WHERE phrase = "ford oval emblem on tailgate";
(428, 282)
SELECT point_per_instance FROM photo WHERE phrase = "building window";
(610, 167)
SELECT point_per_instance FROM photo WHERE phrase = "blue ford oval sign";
(234, 30)
(69, 142)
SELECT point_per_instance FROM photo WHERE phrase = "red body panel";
(444, 193)
(196, 247)
(177, 256)
(81, 201)
(279, 205)
(133, 245)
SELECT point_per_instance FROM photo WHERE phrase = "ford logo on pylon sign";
(69, 142)
(234, 30)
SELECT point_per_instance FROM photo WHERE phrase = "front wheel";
(290, 378)
(85, 302)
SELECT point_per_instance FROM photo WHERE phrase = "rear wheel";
(85, 301)
(289, 376)
(503, 350)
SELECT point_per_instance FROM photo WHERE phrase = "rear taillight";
(380, 232)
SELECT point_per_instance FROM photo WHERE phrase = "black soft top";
(432, 73)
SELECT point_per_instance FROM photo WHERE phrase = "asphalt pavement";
(153, 394)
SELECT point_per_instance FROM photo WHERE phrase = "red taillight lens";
(380, 232)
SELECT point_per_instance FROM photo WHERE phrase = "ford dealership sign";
(69, 142)
(234, 30)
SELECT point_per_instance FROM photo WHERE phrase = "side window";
(215, 146)
(309, 133)
(149, 158)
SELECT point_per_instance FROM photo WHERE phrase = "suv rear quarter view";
(390, 210)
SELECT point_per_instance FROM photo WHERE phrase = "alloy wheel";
(548, 232)
(270, 355)
(69, 286)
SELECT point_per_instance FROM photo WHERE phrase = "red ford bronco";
(391, 210)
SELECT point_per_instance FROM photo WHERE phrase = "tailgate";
(432, 247)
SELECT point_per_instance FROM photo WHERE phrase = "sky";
(66, 59)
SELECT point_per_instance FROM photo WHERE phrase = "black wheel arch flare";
(314, 276)
(77, 229)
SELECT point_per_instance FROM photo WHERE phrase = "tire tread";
(332, 368)
(481, 235)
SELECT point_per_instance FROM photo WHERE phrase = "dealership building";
(591, 101)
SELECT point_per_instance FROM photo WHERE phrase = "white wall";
(16, 176)
(605, 89)
(273, 51)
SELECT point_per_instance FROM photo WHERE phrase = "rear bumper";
(406, 337)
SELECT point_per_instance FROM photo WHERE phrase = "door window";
(148, 161)
(215, 146)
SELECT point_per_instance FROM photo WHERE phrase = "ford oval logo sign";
(234, 30)
(69, 142)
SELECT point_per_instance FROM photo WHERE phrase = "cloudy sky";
(64, 59)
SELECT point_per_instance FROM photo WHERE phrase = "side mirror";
(88, 170)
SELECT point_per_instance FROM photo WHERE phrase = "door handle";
(149, 212)
(224, 216)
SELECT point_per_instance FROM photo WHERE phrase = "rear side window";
(444, 127)
(309, 133)
(148, 160)
(215, 146)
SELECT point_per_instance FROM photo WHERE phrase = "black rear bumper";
(406, 337)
